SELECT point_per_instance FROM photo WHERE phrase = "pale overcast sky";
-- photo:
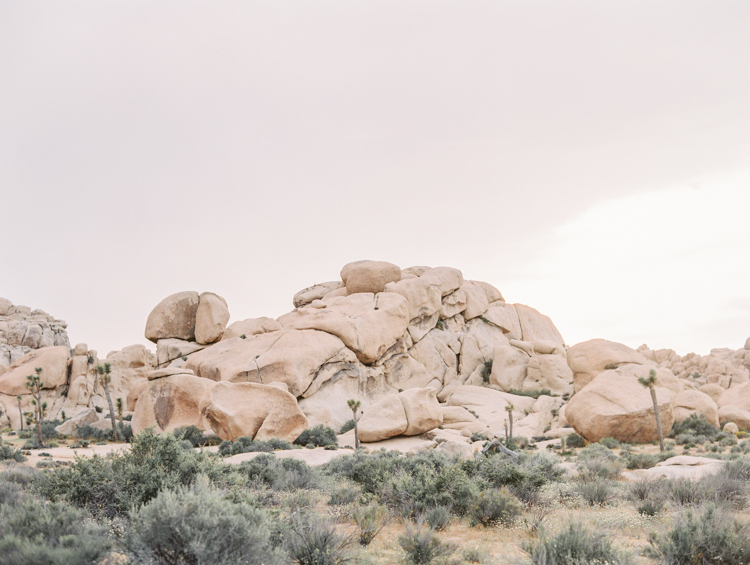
(590, 159)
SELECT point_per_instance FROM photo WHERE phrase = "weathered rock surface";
(369, 276)
(368, 324)
(235, 410)
(250, 327)
(590, 358)
(211, 318)
(70, 427)
(173, 317)
(690, 402)
(52, 360)
(411, 412)
(615, 405)
(315, 292)
(170, 403)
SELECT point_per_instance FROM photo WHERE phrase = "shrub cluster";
(248, 445)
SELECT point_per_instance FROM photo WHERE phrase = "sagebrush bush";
(198, 525)
(609, 442)
(246, 444)
(706, 538)
(574, 440)
(319, 436)
(438, 517)
(493, 507)
(194, 435)
(124, 431)
(370, 520)
(640, 460)
(695, 426)
(32, 531)
(8, 452)
(422, 546)
(279, 474)
(595, 491)
(575, 545)
(314, 540)
(346, 426)
(598, 461)
(344, 494)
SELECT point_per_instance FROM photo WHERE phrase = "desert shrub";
(640, 460)
(595, 491)
(737, 469)
(32, 531)
(706, 538)
(346, 426)
(246, 444)
(609, 442)
(575, 545)
(650, 507)
(725, 487)
(486, 371)
(685, 492)
(438, 517)
(124, 431)
(412, 492)
(279, 474)
(314, 540)
(370, 519)
(696, 426)
(9, 453)
(344, 494)
(422, 546)
(494, 507)
(194, 435)
(10, 492)
(198, 525)
(573, 441)
(129, 479)
(48, 430)
(598, 461)
(530, 393)
(319, 436)
(646, 489)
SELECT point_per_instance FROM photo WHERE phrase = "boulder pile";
(420, 348)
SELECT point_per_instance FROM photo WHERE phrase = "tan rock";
(736, 415)
(423, 412)
(550, 372)
(417, 271)
(173, 349)
(211, 318)
(437, 357)
(738, 396)
(250, 327)
(404, 372)
(81, 349)
(422, 295)
(615, 405)
(79, 393)
(476, 300)
(448, 279)
(367, 324)
(505, 317)
(509, 367)
(369, 276)
(589, 358)
(459, 449)
(70, 427)
(536, 326)
(303, 359)
(490, 405)
(690, 402)
(456, 414)
(259, 411)
(315, 292)
(6, 305)
(52, 360)
(730, 427)
(133, 394)
(453, 304)
(173, 317)
(171, 403)
(384, 419)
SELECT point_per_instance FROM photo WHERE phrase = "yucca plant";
(650, 384)
(34, 384)
(104, 372)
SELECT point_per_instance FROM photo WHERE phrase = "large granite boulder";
(173, 317)
(690, 402)
(589, 358)
(614, 404)
(52, 360)
(411, 412)
(211, 318)
(369, 276)
(254, 410)
(171, 402)
(250, 327)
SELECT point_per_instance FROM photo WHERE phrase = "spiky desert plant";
(354, 406)
(20, 412)
(104, 372)
(34, 384)
(650, 384)
(120, 409)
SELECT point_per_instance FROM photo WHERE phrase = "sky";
(590, 159)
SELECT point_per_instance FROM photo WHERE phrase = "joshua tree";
(104, 377)
(119, 409)
(354, 405)
(509, 410)
(34, 384)
(649, 384)
(20, 412)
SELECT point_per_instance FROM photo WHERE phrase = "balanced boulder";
(173, 317)
(211, 318)
(589, 358)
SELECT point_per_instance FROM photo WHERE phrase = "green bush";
(494, 507)
(32, 531)
(423, 546)
(573, 441)
(313, 540)
(575, 545)
(113, 486)
(695, 426)
(370, 519)
(609, 442)
(640, 460)
(595, 492)
(9, 453)
(710, 537)
(598, 461)
(438, 517)
(319, 436)
(279, 474)
(194, 435)
(348, 425)
(124, 431)
(344, 494)
(198, 525)
(650, 507)
(531, 393)
(246, 444)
